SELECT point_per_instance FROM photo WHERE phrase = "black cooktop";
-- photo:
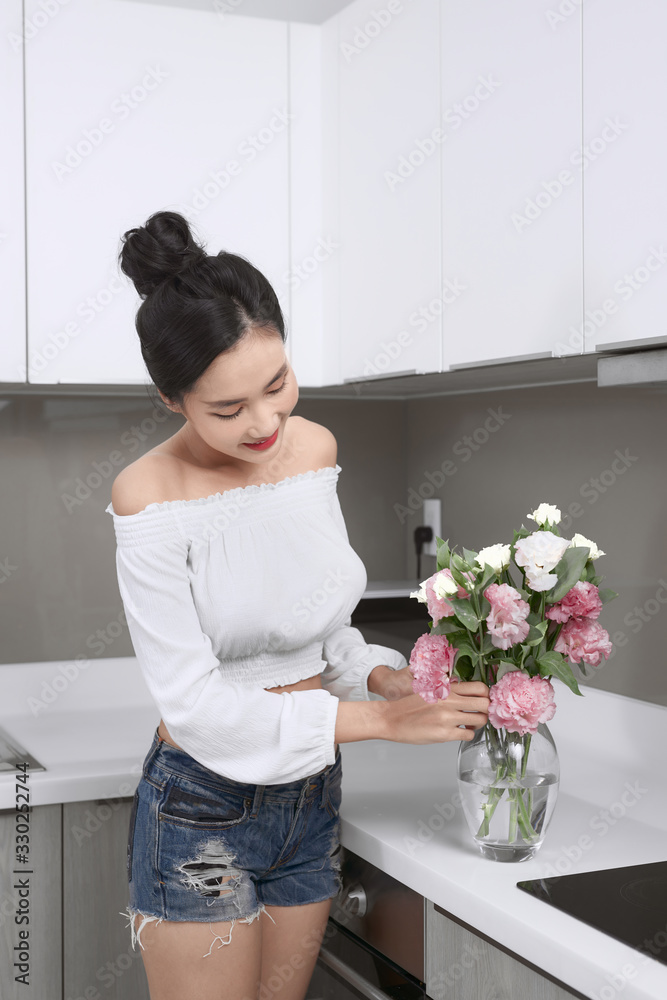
(629, 904)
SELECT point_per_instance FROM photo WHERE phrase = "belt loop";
(257, 800)
(155, 746)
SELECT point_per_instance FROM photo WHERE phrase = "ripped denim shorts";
(204, 847)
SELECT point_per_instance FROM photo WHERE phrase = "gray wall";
(58, 590)
(559, 444)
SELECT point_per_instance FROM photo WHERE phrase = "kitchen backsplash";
(491, 457)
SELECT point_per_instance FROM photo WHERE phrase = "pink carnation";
(438, 607)
(583, 640)
(519, 702)
(431, 662)
(507, 619)
(582, 601)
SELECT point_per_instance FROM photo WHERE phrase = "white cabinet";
(625, 208)
(385, 189)
(312, 343)
(511, 185)
(12, 224)
(133, 108)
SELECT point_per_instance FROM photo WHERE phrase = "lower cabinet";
(73, 893)
(460, 965)
(31, 905)
(99, 963)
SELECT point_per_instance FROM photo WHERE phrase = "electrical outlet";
(432, 517)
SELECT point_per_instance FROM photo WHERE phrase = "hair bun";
(161, 249)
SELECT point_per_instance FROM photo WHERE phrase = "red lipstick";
(263, 444)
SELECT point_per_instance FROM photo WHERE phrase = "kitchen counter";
(90, 724)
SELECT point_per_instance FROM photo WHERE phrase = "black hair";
(195, 306)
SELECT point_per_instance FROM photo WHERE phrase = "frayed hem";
(148, 917)
(136, 934)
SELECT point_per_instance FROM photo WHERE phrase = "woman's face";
(258, 376)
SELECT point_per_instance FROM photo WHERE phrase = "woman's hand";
(390, 684)
(412, 720)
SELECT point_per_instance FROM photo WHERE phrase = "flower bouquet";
(514, 636)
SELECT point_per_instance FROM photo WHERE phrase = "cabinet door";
(388, 187)
(133, 108)
(625, 208)
(313, 337)
(463, 966)
(36, 894)
(12, 205)
(511, 186)
(99, 959)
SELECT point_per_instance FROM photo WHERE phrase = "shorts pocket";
(334, 794)
(130, 834)
(214, 811)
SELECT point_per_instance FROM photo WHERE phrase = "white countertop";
(91, 726)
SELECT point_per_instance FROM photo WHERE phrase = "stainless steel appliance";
(373, 946)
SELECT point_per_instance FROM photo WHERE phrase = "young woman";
(238, 582)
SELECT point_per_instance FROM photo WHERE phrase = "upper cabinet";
(458, 187)
(133, 108)
(382, 103)
(12, 225)
(625, 208)
(511, 179)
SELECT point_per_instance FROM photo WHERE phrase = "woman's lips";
(263, 444)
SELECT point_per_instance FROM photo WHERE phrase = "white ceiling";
(310, 11)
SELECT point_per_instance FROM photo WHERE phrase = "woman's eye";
(230, 416)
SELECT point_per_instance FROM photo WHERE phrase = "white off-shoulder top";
(239, 591)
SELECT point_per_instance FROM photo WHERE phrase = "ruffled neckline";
(226, 494)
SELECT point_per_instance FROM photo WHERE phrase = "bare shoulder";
(149, 479)
(323, 446)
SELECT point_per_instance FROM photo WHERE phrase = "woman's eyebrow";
(231, 402)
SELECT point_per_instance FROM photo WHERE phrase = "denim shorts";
(204, 847)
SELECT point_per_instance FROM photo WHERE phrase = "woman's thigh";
(172, 955)
(290, 947)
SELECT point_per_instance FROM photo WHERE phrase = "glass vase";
(508, 785)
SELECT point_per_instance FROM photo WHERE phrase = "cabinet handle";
(355, 979)
(384, 375)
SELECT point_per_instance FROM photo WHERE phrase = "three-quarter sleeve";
(242, 732)
(349, 658)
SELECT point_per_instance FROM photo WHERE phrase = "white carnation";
(578, 539)
(495, 556)
(421, 593)
(539, 553)
(546, 512)
(444, 586)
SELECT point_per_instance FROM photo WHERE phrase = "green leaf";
(464, 612)
(484, 608)
(505, 667)
(554, 664)
(465, 649)
(469, 557)
(568, 571)
(488, 575)
(442, 561)
(463, 669)
(607, 595)
(446, 626)
(536, 634)
(457, 561)
(521, 533)
(459, 578)
(487, 644)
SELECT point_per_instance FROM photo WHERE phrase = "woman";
(238, 582)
